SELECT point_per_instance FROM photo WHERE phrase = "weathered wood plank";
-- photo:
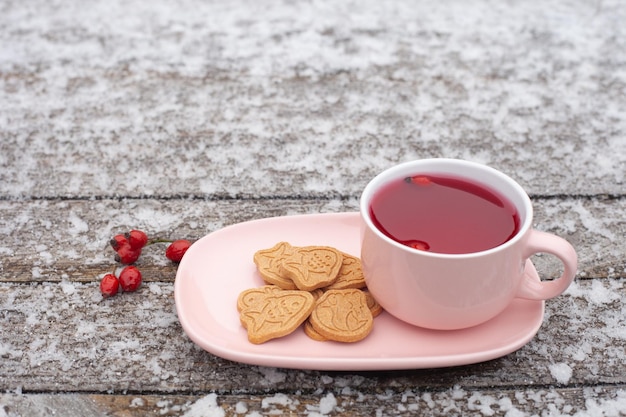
(57, 337)
(364, 96)
(95, 163)
(68, 240)
(183, 120)
(607, 400)
(53, 240)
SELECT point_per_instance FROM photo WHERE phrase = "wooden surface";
(180, 118)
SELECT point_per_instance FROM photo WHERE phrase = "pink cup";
(455, 291)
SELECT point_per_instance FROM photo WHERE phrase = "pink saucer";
(219, 266)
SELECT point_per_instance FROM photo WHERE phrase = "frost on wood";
(366, 82)
(68, 327)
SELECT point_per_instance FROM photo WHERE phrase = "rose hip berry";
(137, 239)
(417, 244)
(128, 247)
(109, 285)
(176, 250)
(418, 180)
(130, 278)
(118, 241)
(127, 255)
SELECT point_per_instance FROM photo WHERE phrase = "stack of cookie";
(319, 286)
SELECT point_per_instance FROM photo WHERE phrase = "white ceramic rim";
(434, 166)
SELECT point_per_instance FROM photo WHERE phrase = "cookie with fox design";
(270, 314)
(342, 315)
(312, 267)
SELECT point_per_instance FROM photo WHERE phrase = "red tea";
(444, 214)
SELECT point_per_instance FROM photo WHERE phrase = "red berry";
(177, 249)
(118, 241)
(130, 278)
(418, 244)
(109, 285)
(418, 180)
(137, 239)
(127, 255)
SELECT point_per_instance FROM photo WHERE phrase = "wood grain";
(59, 338)
(445, 402)
(183, 117)
(68, 239)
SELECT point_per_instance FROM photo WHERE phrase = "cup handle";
(541, 242)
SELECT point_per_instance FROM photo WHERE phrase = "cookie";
(270, 314)
(319, 286)
(268, 263)
(350, 274)
(317, 293)
(251, 296)
(372, 304)
(310, 331)
(312, 267)
(342, 315)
